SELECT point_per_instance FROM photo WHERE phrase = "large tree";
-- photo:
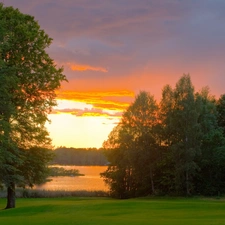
(181, 131)
(210, 179)
(134, 145)
(118, 174)
(28, 78)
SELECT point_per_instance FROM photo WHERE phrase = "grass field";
(106, 211)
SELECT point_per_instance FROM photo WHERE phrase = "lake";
(91, 181)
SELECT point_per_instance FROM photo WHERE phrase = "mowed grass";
(106, 211)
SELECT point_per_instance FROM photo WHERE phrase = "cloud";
(76, 67)
(103, 100)
(143, 44)
(109, 46)
(88, 112)
(74, 95)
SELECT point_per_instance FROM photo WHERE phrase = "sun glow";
(80, 132)
(80, 124)
(84, 119)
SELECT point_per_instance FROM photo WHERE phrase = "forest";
(79, 156)
(174, 147)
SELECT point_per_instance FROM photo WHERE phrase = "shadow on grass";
(28, 210)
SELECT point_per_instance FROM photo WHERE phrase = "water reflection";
(90, 182)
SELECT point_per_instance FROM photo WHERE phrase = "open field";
(106, 211)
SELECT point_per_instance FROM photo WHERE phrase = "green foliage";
(183, 133)
(175, 148)
(34, 169)
(134, 144)
(221, 112)
(28, 78)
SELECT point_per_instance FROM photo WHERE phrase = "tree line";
(79, 156)
(174, 147)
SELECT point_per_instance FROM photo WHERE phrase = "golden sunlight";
(85, 119)
(80, 132)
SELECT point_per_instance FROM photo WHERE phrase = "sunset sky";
(112, 49)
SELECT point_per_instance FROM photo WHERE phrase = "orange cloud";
(74, 95)
(114, 100)
(88, 112)
(77, 67)
(109, 105)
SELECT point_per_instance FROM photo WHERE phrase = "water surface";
(91, 181)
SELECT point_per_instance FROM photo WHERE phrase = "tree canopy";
(29, 78)
(175, 147)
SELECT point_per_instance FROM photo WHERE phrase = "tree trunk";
(187, 184)
(11, 197)
(152, 182)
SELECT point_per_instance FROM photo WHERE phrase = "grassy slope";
(104, 211)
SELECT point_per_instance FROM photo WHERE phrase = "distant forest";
(79, 156)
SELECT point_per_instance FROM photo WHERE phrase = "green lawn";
(106, 211)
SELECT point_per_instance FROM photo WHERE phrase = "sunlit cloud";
(113, 100)
(74, 95)
(109, 104)
(81, 67)
(88, 112)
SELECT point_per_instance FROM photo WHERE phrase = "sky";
(113, 49)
